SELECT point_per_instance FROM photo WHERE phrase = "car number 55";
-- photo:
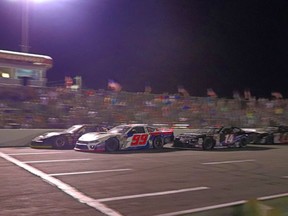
(139, 139)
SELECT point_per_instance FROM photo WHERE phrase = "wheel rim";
(60, 142)
(208, 144)
(243, 143)
(158, 143)
(111, 146)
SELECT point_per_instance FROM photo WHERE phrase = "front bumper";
(89, 148)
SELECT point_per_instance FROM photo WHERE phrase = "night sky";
(225, 45)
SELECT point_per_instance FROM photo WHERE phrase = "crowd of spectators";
(58, 107)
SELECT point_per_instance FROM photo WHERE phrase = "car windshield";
(73, 129)
(120, 129)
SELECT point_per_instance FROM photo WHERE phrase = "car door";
(226, 136)
(137, 137)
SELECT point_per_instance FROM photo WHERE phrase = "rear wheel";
(112, 145)
(208, 143)
(158, 143)
(60, 142)
(243, 143)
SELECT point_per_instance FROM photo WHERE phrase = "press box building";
(18, 68)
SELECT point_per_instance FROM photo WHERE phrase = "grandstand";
(60, 107)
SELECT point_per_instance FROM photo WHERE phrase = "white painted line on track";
(227, 162)
(223, 205)
(53, 161)
(89, 172)
(152, 194)
(35, 153)
(64, 187)
(273, 196)
(190, 211)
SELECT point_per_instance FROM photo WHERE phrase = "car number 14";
(229, 138)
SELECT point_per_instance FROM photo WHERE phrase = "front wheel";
(158, 143)
(208, 144)
(60, 142)
(112, 145)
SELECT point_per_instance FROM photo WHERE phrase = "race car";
(212, 137)
(125, 137)
(271, 135)
(64, 139)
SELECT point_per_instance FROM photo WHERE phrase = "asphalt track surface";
(138, 183)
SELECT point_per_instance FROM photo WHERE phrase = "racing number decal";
(139, 139)
(229, 138)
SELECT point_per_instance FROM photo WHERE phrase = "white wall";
(19, 137)
(23, 137)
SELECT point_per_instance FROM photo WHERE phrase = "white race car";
(125, 137)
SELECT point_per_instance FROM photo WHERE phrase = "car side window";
(138, 130)
(236, 130)
(149, 129)
(89, 129)
(97, 129)
(82, 130)
(226, 131)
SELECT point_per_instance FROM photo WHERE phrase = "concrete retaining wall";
(22, 137)
(19, 137)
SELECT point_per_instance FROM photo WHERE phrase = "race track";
(143, 183)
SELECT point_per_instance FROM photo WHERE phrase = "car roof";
(133, 125)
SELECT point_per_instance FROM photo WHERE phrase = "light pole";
(25, 27)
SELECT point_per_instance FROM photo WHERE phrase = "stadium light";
(25, 23)
(25, 27)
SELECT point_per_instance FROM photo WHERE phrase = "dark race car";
(64, 139)
(125, 137)
(271, 135)
(212, 137)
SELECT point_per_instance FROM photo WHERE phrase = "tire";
(269, 140)
(208, 144)
(158, 143)
(112, 145)
(243, 143)
(60, 142)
